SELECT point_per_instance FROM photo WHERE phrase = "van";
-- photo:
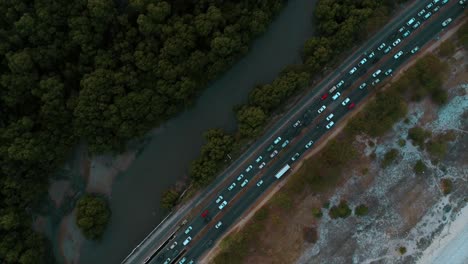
(411, 21)
(375, 74)
(336, 96)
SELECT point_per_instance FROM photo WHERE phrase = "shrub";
(361, 210)
(419, 167)
(342, 210)
(92, 215)
(389, 157)
(402, 250)
(418, 136)
(169, 199)
(402, 142)
(446, 186)
(317, 212)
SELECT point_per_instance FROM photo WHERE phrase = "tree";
(169, 199)
(92, 215)
(341, 210)
(250, 120)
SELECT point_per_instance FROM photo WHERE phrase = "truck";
(281, 172)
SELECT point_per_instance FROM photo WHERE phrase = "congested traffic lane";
(340, 111)
(248, 175)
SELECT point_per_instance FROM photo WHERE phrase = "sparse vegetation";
(92, 215)
(361, 210)
(342, 210)
(446, 185)
(419, 167)
(389, 157)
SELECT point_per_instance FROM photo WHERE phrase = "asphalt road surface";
(291, 137)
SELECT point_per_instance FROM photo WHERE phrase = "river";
(134, 182)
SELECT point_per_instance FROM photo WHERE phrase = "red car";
(204, 214)
(350, 106)
(324, 96)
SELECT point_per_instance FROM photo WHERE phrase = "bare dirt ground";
(405, 209)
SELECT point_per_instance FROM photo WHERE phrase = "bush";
(317, 212)
(389, 157)
(446, 186)
(361, 210)
(419, 167)
(402, 250)
(169, 199)
(402, 142)
(92, 215)
(418, 136)
(342, 210)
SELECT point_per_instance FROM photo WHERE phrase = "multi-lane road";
(247, 179)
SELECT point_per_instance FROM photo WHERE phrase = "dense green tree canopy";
(92, 215)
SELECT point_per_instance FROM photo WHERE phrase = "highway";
(311, 127)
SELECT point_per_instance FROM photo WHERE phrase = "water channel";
(135, 191)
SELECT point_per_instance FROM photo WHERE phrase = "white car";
(298, 123)
(168, 260)
(277, 140)
(428, 15)
(401, 29)
(375, 82)
(218, 224)
(173, 245)
(259, 159)
(388, 49)
(429, 6)
(219, 199)
(396, 42)
(249, 168)
(362, 86)
(396, 56)
(436, 9)
(330, 124)
(259, 183)
(376, 73)
(262, 165)
(411, 21)
(381, 46)
(188, 230)
(345, 102)
(416, 25)
(223, 204)
(244, 183)
(232, 186)
(285, 143)
(406, 34)
(340, 84)
(186, 241)
(371, 55)
(353, 70)
(362, 62)
(309, 144)
(334, 97)
(388, 72)
(240, 178)
(329, 117)
(414, 50)
(420, 13)
(273, 154)
(295, 156)
(446, 22)
(321, 109)
(182, 261)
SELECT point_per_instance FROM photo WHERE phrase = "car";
(173, 245)
(330, 116)
(353, 70)
(406, 34)
(401, 29)
(351, 106)
(444, 2)
(462, 2)
(427, 16)
(396, 42)
(295, 156)
(249, 168)
(362, 86)
(321, 109)
(416, 25)
(240, 178)
(332, 89)
(446, 22)
(224, 203)
(187, 240)
(375, 82)
(259, 183)
(411, 21)
(324, 96)
(270, 148)
(262, 165)
(182, 261)
(168, 260)
(362, 62)
(414, 50)
(420, 13)
(437, 8)
(334, 97)
(204, 214)
(429, 6)
(345, 101)
(435, 1)
(298, 123)
(371, 55)
(273, 153)
(388, 49)
(220, 198)
(259, 159)
(381, 46)
(218, 224)
(285, 143)
(188, 230)
(340, 84)
(309, 144)
(376, 73)
(191, 262)
(398, 54)
(277, 140)
(330, 125)
(244, 183)
(388, 72)
(232, 186)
